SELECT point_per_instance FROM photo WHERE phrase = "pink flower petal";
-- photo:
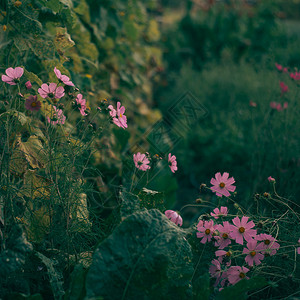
(10, 72)
(52, 87)
(19, 72)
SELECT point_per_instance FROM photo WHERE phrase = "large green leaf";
(146, 257)
(130, 204)
(239, 290)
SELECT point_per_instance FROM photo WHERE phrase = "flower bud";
(28, 85)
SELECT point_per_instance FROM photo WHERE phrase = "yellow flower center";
(267, 242)
(207, 231)
(242, 275)
(33, 104)
(228, 254)
(252, 253)
(225, 236)
(121, 115)
(241, 229)
(222, 184)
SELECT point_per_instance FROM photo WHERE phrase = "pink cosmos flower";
(81, 104)
(242, 229)
(236, 273)
(269, 244)
(215, 271)
(222, 184)
(284, 87)
(298, 249)
(28, 85)
(31, 103)
(51, 91)
(219, 213)
(58, 117)
(253, 252)
(295, 76)
(200, 224)
(277, 106)
(206, 231)
(118, 115)
(278, 66)
(271, 179)
(141, 161)
(174, 217)
(12, 76)
(172, 162)
(63, 78)
(222, 253)
(223, 239)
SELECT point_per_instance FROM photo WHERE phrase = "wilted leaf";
(153, 34)
(80, 217)
(14, 117)
(62, 39)
(37, 224)
(35, 186)
(32, 77)
(42, 48)
(146, 257)
(32, 150)
(21, 43)
(152, 199)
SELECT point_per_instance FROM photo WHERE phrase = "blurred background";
(234, 57)
(225, 53)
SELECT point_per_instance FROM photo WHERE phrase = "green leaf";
(146, 257)
(131, 30)
(32, 77)
(130, 204)
(42, 48)
(77, 287)
(19, 296)
(69, 16)
(21, 43)
(13, 257)
(55, 277)
(239, 290)
(201, 287)
(54, 5)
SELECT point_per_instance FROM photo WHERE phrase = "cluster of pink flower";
(142, 161)
(223, 234)
(51, 90)
(278, 106)
(254, 247)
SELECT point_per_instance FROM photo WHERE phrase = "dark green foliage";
(77, 285)
(240, 290)
(12, 260)
(55, 278)
(146, 257)
(129, 205)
